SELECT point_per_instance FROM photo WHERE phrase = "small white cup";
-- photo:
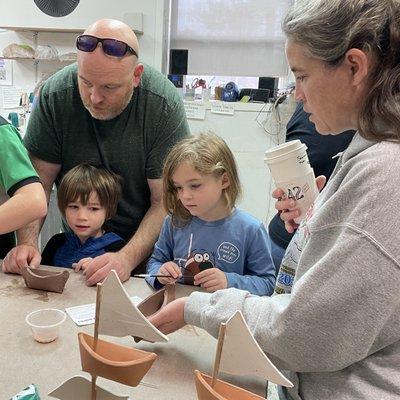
(45, 324)
(291, 170)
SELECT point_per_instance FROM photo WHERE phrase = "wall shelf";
(38, 59)
(41, 29)
(134, 20)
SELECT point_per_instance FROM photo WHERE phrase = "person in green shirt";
(107, 110)
(22, 197)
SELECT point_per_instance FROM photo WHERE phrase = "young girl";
(87, 197)
(214, 244)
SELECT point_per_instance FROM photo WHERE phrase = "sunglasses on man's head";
(111, 47)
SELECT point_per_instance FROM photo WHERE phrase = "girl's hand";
(211, 279)
(82, 264)
(287, 207)
(170, 317)
(171, 269)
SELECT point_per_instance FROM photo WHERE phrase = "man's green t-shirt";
(133, 144)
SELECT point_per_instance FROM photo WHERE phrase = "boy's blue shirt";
(73, 250)
(237, 245)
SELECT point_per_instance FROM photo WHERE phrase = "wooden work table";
(25, 361)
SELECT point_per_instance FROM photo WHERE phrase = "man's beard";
(108, 114)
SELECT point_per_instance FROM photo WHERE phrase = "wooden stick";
(96, 334)
(218, 353)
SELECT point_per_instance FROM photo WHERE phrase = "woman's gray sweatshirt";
(338, 329)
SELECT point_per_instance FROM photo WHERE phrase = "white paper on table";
(84, 314)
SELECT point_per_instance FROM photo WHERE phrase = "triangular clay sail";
(120, 317)
(241, 354)
(79, 387)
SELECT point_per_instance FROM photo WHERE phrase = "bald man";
(111, 111)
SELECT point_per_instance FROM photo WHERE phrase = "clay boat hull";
(115, 362)
(221, 391)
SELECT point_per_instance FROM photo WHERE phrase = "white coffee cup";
(291, 171)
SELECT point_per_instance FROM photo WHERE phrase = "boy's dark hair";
(79, 182)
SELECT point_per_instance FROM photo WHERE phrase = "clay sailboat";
(237, 354)
(43, 279)
(116, 316)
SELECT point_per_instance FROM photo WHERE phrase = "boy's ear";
(225, 180)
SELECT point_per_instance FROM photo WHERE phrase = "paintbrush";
(150, 276)
(143, 276)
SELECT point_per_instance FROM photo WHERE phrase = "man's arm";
(27, 253)
(138, 248)
(142, 243)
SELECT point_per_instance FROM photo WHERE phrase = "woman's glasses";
(111, 47)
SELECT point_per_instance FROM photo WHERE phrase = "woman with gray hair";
(337, 329)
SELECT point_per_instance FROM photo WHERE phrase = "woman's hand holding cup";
(287, 207)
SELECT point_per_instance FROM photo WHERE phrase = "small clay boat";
(43, 279)
(115, 315)
(237, 354)
(115, 362)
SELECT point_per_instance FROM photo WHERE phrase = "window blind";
(231, 37)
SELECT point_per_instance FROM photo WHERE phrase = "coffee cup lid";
(284, 150)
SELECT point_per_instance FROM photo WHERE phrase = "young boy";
(87, 197)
